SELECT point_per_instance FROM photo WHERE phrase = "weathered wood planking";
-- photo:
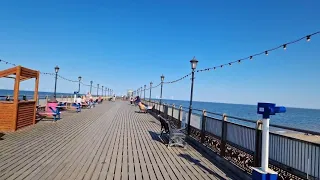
(110, 141)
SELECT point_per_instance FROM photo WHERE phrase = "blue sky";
(126, 44)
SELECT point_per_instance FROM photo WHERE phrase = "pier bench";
(54, 113)
(176, 136)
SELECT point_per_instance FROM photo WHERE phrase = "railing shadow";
(1, 134)
(198, 163)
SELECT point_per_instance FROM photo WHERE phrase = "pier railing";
(293, 154)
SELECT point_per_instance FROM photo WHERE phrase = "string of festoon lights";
(50, 74)
(265, 52)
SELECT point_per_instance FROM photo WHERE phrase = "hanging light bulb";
(266, 52)
(308, 38)
(284, 46)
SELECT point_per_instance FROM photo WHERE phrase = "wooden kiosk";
(16, 113)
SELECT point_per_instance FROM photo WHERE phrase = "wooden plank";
(172, 170)
(34, 155)
(131, 149)
(30, 167)
(111, 172)
(101, 170)
(135, 158)
(32, 149)
(200, 166)
(94, 157)
(124, 168)
(117, 174)
(143, 165)
(185, 167)
(107, 142)
(68, 169)
(101, 165)
(78, 159)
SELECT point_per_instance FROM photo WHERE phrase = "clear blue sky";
(126, 44)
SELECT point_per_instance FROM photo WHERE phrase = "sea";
(29, 94)
(307, 119)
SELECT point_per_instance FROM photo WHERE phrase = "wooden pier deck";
(110, 141)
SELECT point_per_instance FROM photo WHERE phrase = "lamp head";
(162, 77)
(194, 63)
(56, 69)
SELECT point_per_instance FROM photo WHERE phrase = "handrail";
(253, 121)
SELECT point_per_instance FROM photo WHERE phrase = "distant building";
(129, 93)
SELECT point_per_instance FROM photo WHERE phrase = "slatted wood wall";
(25, 114)
(6, 116)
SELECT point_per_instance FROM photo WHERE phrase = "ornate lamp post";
(101, 90)
(150, 91)
(162, 78)
(145, 86)
(79, 78)
(194, 63)
(91, 86)
(97, 90)
(56, 69)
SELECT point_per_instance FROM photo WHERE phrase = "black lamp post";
(56, 69)
(162, 78)
(102, 91)
(91, 86)
(79, 78)
(150, 91)
(194, 63)
(97, 90)
(145, 86)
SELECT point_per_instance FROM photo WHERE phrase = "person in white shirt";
(79, 100)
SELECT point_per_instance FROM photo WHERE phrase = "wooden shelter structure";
(18, 113)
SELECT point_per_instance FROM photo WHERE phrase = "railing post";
(223, 135)
(258, 145)
(203, 125)
(180, 116)
(172, 109)
(165, 108)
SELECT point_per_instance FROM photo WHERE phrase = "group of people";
(87, 100)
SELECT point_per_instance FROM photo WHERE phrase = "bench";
(176, 136)
(54, 113)
(77, 106)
